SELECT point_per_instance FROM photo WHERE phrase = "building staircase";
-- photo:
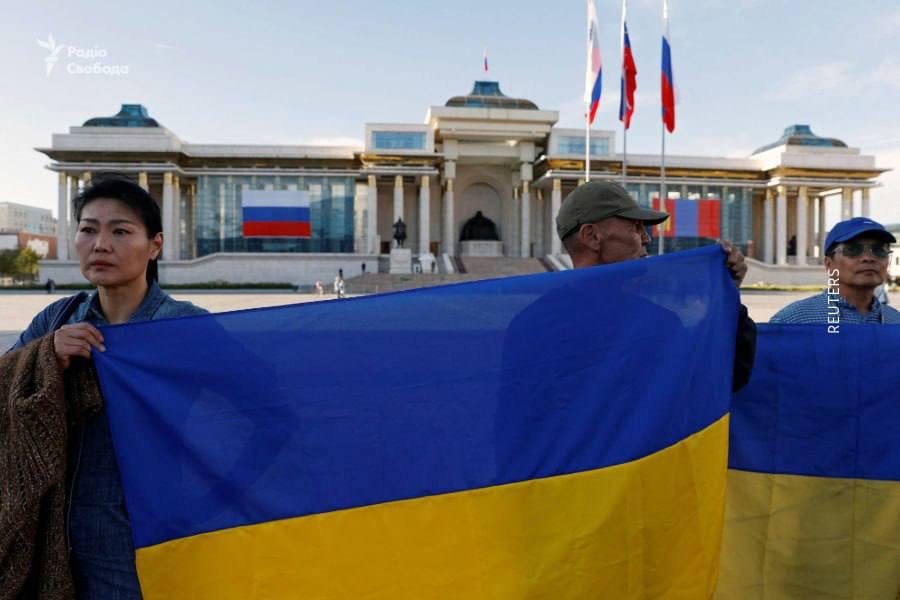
(468, 269)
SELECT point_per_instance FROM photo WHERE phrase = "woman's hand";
(76, 340)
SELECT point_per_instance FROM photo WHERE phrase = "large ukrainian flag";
(551, 436)
(813, 505)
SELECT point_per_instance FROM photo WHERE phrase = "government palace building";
(483, 151)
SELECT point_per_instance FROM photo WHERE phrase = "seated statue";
(479, 227)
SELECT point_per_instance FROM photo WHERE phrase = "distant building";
(43, 245)
(483, 151)
(21, 217)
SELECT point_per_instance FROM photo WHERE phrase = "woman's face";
(112, 244)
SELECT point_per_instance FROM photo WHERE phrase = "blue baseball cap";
(851, 228)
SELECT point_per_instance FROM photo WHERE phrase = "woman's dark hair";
(115, 186)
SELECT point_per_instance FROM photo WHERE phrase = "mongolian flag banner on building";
(813, 506)
(512, 438)
(690, 218)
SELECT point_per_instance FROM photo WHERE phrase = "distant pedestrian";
(319, 287)
(364, 268)
(50, 286)
(339, 284)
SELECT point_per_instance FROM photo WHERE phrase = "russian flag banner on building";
(275, 213)
(594, 74)
(309, 451)
(629, 74)
(668, 79)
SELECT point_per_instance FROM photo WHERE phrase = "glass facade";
(399, 140)
(573, 144)
(218, 215)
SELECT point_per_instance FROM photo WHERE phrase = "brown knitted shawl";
(39, 406)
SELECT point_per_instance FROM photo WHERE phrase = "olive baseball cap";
(597, 200)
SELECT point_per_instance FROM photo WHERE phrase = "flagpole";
(662, 186)
(663, 195)
(587, 105)
(622, 96)
(587, 144)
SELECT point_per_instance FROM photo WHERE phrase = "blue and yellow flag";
(551, 436)
(813, 506)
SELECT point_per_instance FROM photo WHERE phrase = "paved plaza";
(18, 308)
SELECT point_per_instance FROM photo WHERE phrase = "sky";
(305, 72)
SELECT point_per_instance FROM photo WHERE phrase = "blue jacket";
(98, 528)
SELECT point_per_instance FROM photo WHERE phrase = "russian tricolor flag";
(276, 213)
(629, 74)
(668, 79)
(594, 73)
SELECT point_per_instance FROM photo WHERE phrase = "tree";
(27, 263)
(7, 261)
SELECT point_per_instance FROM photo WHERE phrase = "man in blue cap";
(857, 252)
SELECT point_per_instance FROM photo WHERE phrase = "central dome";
(487, 94)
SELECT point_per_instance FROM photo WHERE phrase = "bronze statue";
(400, 232)
(479, 227)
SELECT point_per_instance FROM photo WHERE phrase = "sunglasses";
(856, 249)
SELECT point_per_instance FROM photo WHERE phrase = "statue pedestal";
(401, 261)
(427, 261)
(481, 248)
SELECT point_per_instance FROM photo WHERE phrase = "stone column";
(846, 203)
(398, 198)
(372, 216)
(448, 237)
(424, 214)
(555, 203)
(781, 226)
(525, 229)
(175, 225)
(810, 226)
(769, 227)
(62, 221)
(802, 228)
(865, 202)
(142, 181)
(168, 201)
(73, 226)
(73, 187)
(539, 227)
(821, 233)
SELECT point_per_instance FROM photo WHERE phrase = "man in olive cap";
(599, 223)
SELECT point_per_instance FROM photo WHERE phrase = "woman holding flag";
(118, 243)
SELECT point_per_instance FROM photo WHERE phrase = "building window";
(398, 140)
(573, 144)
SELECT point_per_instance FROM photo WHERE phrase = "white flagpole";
(662, 167)
(587, 102)
(662, 186)
(587, 144)
(623, 96)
